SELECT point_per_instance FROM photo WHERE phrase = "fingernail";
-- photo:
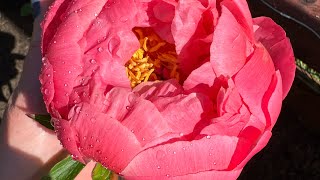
(35, 8)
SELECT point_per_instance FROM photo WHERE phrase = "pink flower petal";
(230, 46)
(253, 80)
(274, 39)
(183, 157)
(192, 30)
(96, 134)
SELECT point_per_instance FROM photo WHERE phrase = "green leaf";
(43, 119)
(26, 9)
(67, 169)
(101, 173)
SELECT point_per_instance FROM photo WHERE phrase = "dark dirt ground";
(292, 153)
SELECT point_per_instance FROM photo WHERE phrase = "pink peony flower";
(163, 88)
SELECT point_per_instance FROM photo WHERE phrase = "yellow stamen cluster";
(156, 59)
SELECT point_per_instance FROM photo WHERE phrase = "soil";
(292, 153)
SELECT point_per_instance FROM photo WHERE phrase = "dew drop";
(122, 150)
(63, 62)
(184, 148)
(92, 61)
(93, 120)
(54, 42)
(44, 59)
(128, 108)
(174, 152)
(67, 94)
(50, 82)
(91, 146)
(132, 130)
(123, 19)
(181, 134)
(158, 167)
(69, 72)
(95, 14)
(46, 91)
(168, 175)
(84, 137)
(48, 75)
(210, 154)
(97, 140)
(99, 151)
(68, 139)
(143, 139)
(100, 49)
(74, 101)
(208, 137)
(65, 85)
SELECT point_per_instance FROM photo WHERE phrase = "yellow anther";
(157, 47)
(153, 56)
(145, 44)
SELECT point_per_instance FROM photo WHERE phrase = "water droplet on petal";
(65, 85)
(46, 91)
(93, 120)
(143, 139)
(69, 72)
(174, 152)
(48, 75)
(100, 49)
(92, 61)
(160, 155)
(184, 148)
(68, 139)
(214, 163)
(181, 134)
(84, 137)
(95, 14)
(158, 167)
(168, 175)
(123, 19)
(122, 150)
(91, 146)
(97, 140)
(132, 130)
(99, 151)
(128, 108)
(208, 137)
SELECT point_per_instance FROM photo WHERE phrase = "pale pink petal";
(274, 39)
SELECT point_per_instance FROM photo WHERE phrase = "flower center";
(156, 59)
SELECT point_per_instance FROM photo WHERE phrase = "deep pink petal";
(183, 157)
(273, 37)
(192, 30)
(184, 112)
(274, 98)
(230, 48)
(228, 124)
(96, 132)
(241, 12)
(253, 80)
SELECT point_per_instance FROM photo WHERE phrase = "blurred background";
(294, 149)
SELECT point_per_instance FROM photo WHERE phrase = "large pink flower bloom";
(235, 72)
